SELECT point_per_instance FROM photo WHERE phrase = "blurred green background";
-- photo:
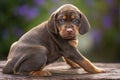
(100, 44)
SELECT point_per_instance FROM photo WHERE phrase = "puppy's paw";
(99, 70)
(95, 70)
(40, 73)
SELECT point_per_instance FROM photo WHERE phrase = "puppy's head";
(68, 21)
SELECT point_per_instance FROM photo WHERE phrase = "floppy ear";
(52, 23)
(85, 26)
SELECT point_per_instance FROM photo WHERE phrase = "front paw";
(99, 70)
(95, 70)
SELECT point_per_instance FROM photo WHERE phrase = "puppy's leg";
(33, 63)
(33, 66)
(89, 67)
(12, 48)
(79, 59)
(71, 63)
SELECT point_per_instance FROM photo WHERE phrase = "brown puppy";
(49, 41)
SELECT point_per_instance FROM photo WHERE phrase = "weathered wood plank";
(62, 71)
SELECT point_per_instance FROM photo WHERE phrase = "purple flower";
(96, 36)
(31, 13)
(23, 10)
(107, 21)
(27, 12)
(39, 2)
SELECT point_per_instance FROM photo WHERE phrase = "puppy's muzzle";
(68, 33)
(69, 30)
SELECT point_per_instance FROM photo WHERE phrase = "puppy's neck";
(73, 42)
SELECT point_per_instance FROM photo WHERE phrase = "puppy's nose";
(69, 30)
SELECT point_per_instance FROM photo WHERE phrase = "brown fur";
(49, 41)
(71, 63)
(73, 43)
(40, 73)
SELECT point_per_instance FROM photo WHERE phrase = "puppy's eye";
(76, 21)
(61, 21)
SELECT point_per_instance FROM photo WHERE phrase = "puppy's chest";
(73, 43)
(53, 53)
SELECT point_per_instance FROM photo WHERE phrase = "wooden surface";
(61, 71)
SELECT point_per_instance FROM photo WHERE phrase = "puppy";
(49, 41)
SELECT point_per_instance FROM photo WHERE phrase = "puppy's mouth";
(68, 36)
